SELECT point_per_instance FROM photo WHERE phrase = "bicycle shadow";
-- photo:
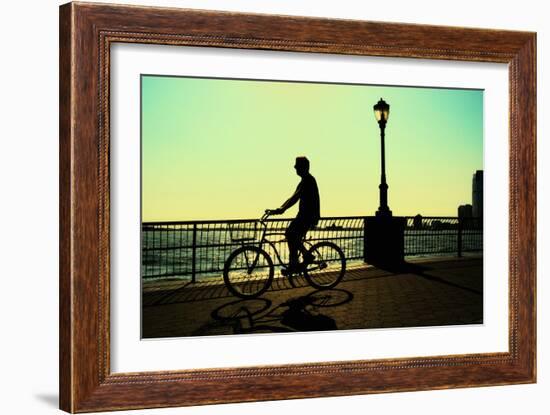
(296, 314)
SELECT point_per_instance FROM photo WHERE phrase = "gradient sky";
(224, 149)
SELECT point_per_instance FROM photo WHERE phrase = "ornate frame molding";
(86, 33)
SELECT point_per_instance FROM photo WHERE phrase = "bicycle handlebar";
(267, 214)
(270, 212)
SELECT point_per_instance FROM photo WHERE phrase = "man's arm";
(291, 200)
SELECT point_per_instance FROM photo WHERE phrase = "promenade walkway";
(430, 292)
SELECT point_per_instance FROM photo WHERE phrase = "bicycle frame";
(264, 240)
(252, 263)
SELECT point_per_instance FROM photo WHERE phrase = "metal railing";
(194, 249)
(442, 235)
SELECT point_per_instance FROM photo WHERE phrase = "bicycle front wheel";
(248, 272)
(328, 266)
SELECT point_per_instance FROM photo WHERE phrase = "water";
(168, 253)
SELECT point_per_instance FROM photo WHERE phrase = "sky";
(225, 148)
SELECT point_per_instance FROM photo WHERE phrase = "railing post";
(459, 238)
(194, 254)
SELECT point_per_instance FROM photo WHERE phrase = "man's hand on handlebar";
(277, 211)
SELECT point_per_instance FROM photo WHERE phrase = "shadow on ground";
(260, 315)
(51, 400)
(438, 292)
(424, 271)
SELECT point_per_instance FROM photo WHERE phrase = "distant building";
(465, 211)
(477, 194)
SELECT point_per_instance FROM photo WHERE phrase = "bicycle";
(249, 270)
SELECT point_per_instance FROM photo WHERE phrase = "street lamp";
(382, 113)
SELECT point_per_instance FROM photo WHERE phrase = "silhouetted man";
(308, 214)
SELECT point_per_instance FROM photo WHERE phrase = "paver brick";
(436, 292)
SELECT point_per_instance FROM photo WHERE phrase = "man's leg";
(292, 238)
(308, 258)
(295, 235)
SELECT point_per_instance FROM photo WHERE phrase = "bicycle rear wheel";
(248, 272)
(328, 267)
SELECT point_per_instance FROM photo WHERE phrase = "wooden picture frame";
(86, 33)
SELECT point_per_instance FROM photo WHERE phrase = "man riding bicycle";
(308, 216)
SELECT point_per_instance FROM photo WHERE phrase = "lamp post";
(382, 113)
(384, 234)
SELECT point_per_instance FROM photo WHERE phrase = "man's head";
(301, 166)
